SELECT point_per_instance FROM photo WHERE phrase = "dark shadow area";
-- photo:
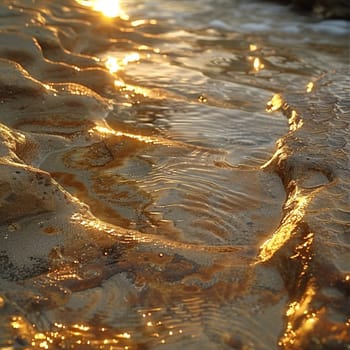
(335, 9)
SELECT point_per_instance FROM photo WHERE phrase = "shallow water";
(174, 176)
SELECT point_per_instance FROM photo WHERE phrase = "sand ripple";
(139, 212)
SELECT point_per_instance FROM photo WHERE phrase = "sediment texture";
(313, 163)
(119, 235)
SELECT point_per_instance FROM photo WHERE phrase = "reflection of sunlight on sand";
(299, 311)
(140, 22)
(114, 65)
(253, 47)
(288, 225)
(145, 92)
(80, 335)
(275, 103)
(109, 8)
(309, 87)
(105, 131)
(257, 64)
(132, 57)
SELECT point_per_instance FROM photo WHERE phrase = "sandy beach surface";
(173, 175)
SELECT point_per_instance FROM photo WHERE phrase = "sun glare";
(114, 64)
(257, 64)
(309, 87)
(253, 47)
(109, 8)
(132, 57)
(275, 103)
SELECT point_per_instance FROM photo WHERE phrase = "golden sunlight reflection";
(288, 225)
(16, 322)
(125, 335)
(82, 336)
(164, 332)
(119, 83)
(109, 8)
(19, 324)
(141, 22)
(114, 65)
(299, 313)
(253, 47)
(81, 327)
(107, 131)
(309, 87)
(132, 89)
(104, 130)
(257, 65)
(294, 121)
(275, 103)
(132, 57)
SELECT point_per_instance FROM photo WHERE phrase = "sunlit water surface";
(212, 219)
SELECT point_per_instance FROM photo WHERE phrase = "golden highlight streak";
(104, 130)
(298, 200)
(299, 311)
(287, 227)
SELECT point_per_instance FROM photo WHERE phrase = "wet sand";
(143, 214)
